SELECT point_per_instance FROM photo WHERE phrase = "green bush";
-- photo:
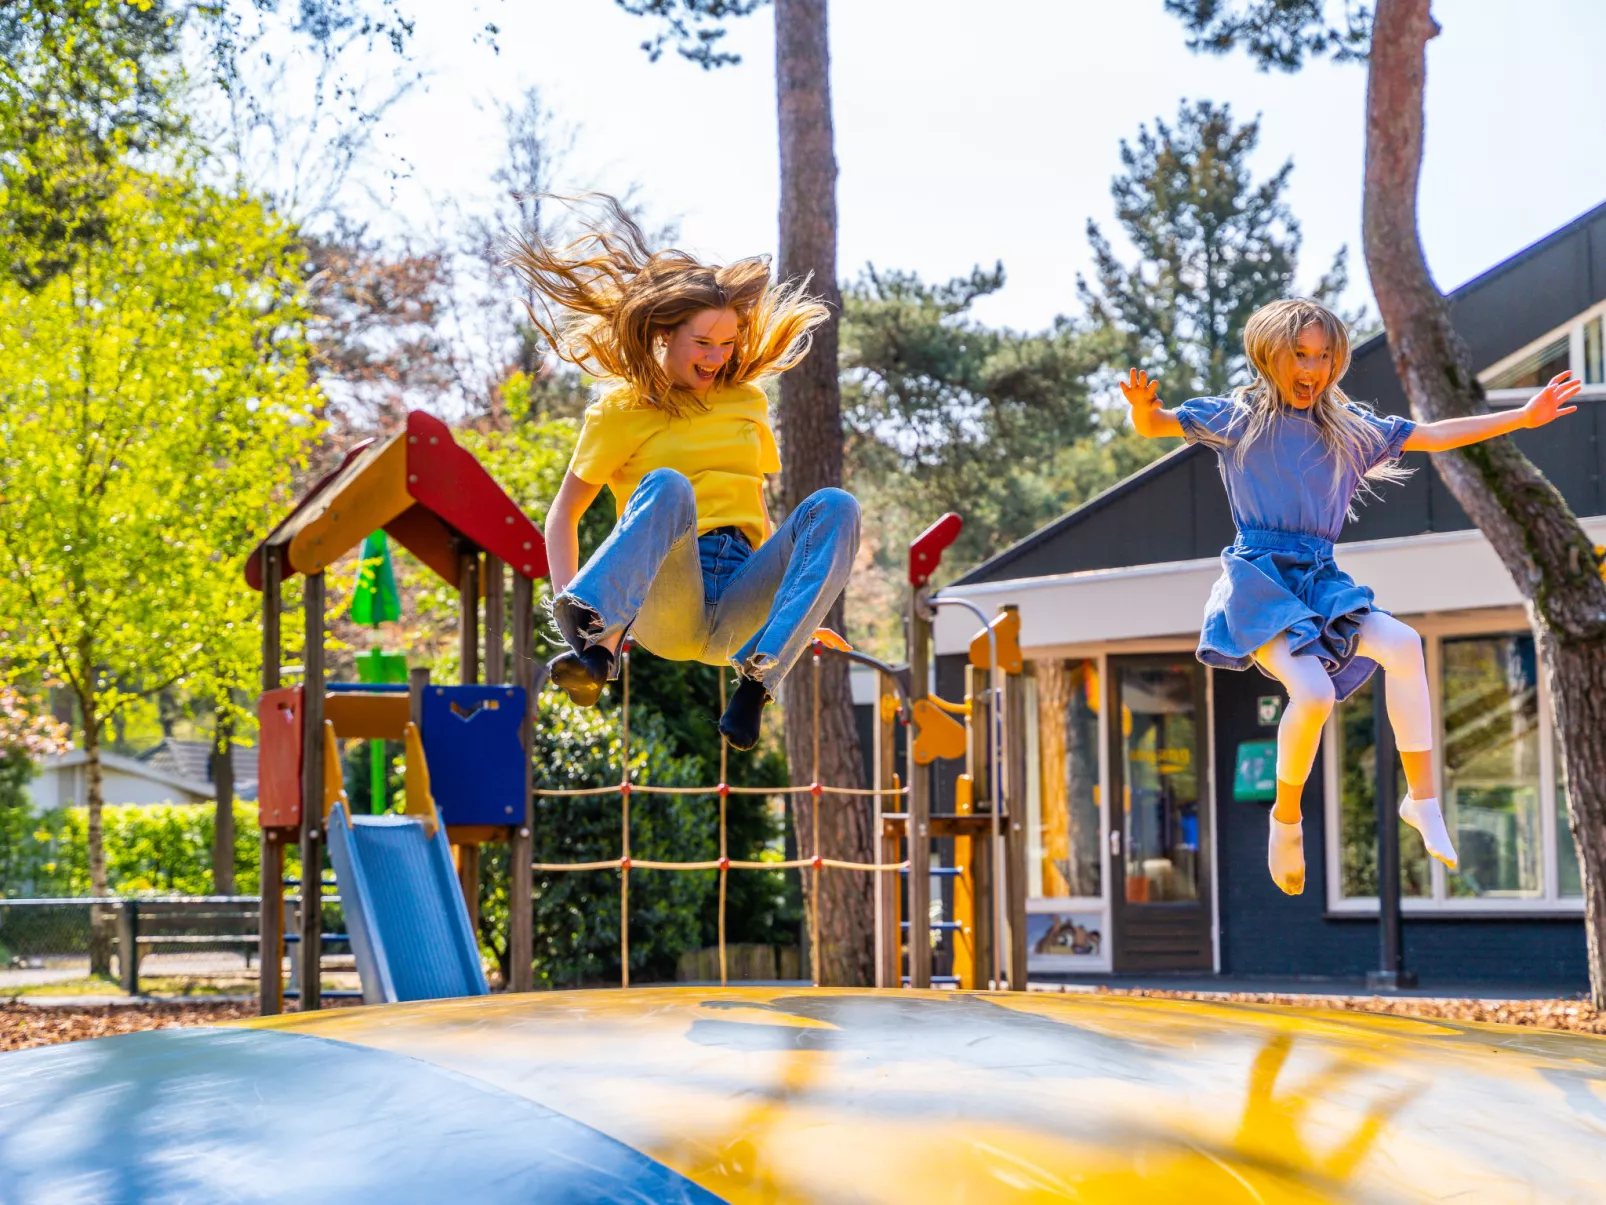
(577, 913)
(152, 849)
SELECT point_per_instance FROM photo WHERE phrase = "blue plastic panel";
(404, 909)
(476, 764)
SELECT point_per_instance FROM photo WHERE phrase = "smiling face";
(699, 347)
(1303, 372)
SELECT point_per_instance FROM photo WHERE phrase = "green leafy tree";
(153, 402)
(1212, 247)
(1528, 523)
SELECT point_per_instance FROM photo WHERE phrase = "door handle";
(1115, 843)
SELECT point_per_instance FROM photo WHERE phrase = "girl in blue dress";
(1294, 452)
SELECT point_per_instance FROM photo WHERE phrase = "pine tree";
(1213, 246)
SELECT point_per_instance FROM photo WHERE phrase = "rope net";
(816, 862)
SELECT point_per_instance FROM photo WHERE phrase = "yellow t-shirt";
(724, 451)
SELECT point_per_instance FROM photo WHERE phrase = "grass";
(149, 985)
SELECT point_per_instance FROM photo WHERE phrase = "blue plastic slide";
(404, 909)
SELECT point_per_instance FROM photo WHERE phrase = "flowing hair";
(1353, 442)
(620, 301)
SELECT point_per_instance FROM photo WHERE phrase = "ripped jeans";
(712, 598)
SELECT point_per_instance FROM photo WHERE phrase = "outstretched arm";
(1148, 419)
(1549, 404)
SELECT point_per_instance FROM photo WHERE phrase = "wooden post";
(521, 887)
(270, 927)
(1014, 816)
(495, 625)
(468, 653)
(311, 926)
(919, 826)
(468, 617)
(888, 938)
(128, 945)
(417, 684)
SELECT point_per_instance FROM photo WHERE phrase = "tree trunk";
(1527, 521)
(223, 786)
(101, 920)
(811, 444)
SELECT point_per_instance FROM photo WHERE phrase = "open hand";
(1551, 402)
(1141, 393)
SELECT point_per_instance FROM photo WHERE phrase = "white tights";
(1395, 647)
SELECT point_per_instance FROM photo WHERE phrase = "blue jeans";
(712, 598)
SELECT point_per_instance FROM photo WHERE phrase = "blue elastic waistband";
(1262, 540)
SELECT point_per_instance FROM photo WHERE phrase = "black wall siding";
(1264, 932)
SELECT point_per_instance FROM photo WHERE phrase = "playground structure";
(435, 500)
(412, 921)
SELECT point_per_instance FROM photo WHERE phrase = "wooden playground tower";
(439, 503)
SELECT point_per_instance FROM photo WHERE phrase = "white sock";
(1425, 817)
(1285, 856)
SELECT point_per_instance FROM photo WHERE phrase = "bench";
(191, 923)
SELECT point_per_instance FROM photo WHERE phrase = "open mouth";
(1304, 392)
(705, 376)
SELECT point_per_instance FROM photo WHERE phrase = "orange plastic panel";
(334, 786)
(935, 734)
(368, 717)
(279, 759)
(1006, 629)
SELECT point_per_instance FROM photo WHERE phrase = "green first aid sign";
(1254, 779)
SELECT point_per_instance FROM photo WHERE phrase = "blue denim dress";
(1289, 498)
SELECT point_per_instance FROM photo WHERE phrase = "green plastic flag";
(376, 600)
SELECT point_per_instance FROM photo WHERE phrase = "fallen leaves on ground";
(23, 1025)
(1577, 1016)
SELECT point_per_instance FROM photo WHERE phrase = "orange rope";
(645, 789)
(722, 864)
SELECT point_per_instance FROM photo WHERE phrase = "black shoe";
(582, 676)
(744, 714)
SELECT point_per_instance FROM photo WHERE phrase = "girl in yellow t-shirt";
(692, 568)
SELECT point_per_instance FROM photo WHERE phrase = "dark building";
(1146, 773)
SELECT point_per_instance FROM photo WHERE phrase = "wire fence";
(152, 946)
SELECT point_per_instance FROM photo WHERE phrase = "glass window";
(1569, 879)
(1357, 811)
(1594, 352)
(1066, 856)
(1161, 783)
(1491, 765)
(1535, 369)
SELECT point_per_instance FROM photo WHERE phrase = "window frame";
(1433, 630)
(1573, 331)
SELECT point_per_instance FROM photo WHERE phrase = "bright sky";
(969, 133)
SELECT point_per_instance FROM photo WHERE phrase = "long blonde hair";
(1353, 442)
(620, 301)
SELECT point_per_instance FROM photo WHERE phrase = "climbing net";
(816, 862)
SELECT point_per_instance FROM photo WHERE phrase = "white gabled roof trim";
(1411, 575)
(130, 766)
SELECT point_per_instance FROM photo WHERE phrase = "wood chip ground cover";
(23, 1025)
